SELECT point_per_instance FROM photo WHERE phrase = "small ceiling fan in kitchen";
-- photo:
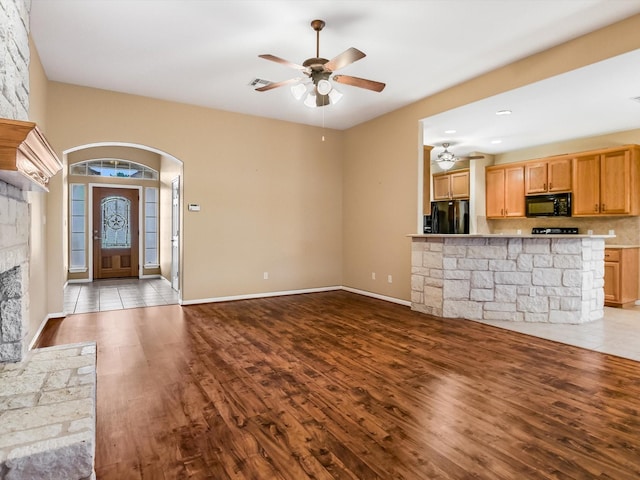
(319, 91)
(446, 160)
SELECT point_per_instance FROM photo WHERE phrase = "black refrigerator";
(450, 216)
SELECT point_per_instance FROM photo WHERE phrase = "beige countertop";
(509, 235)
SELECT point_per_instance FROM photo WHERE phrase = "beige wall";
(270, 192)
(380, 210)
(39, 288)
(571, 146)
(274, 197)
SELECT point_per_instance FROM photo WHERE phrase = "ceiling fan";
(446, 160)
(319, 70)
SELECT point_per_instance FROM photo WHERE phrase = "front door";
(115, 232)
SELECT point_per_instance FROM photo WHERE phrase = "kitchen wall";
(382, 158)
(627, 229)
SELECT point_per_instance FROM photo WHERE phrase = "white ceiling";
(205, 52)
(598, 99)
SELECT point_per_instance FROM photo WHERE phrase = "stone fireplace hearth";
(14, 268)
(11, 323)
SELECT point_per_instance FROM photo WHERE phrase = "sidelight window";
(77, 227)
(151, 227)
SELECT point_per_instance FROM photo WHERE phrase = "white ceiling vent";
(636, 99)
(259, 82)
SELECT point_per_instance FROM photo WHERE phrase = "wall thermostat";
(194, 207)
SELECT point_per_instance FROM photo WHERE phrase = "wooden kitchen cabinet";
(451, 185)
(505, 191)
(548, 176)
(620, 275)
(605, 182)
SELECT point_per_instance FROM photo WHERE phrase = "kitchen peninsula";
(533, 278)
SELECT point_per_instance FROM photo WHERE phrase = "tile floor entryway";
(618, 333)
(117, 294)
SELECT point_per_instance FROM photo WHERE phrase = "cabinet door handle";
(603, 207)
(544, 186)
(550, 185)
(595, 209)
(502, 211)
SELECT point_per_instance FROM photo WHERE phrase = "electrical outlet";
(373, 275)
(389, 279)
(265, 275)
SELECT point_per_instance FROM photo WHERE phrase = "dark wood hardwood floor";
(340, 386)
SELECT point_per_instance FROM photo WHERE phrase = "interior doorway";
(115, 232)
(175, 234)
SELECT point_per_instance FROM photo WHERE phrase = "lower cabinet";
(620, 276)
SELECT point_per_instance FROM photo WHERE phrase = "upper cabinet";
(605, 182)
(451, 185)
(505, 191)
(548, 176)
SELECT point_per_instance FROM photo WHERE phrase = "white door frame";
(175, 234)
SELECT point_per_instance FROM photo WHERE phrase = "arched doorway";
(123, 238)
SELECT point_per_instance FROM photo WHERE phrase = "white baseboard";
(294, 292)
(406, 303)
(42, 325)
(79, 280)
(258, 295)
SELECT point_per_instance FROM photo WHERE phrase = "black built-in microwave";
(550, 205)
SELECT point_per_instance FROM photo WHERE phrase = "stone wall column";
(14, 59)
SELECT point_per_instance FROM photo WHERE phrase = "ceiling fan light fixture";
(324, 87)
(446, 160)
(298, 90)
(310, 99)
(334, 96)
(446, 164)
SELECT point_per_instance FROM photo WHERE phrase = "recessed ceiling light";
(503, 112)
(449, 131)
(496, 141)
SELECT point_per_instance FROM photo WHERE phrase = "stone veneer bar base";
(47, 414)
(519, 278)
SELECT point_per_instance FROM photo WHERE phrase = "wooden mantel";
(26, 158)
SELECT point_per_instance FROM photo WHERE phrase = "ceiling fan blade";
(345, 58)
(271, 86)
(360, 82)
(282, 61)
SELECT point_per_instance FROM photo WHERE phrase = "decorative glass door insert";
(116, 222)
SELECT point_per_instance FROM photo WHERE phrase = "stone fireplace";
(14, 268)
(47, 395)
